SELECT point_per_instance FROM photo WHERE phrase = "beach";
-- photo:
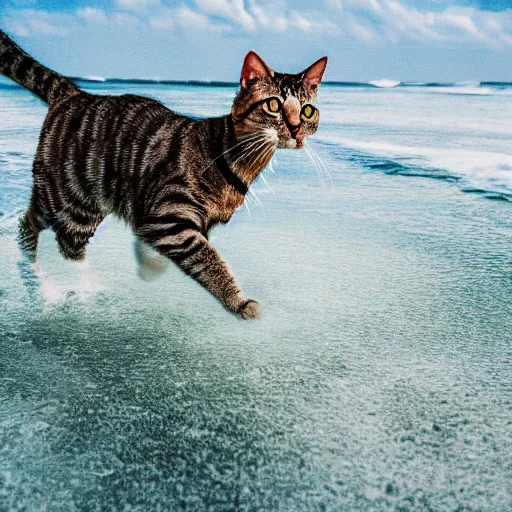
(379, 376)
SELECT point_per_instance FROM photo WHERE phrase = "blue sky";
(417, 40)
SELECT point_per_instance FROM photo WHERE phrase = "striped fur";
(24, 70)
(170, 177)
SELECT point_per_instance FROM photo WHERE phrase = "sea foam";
(385, 83)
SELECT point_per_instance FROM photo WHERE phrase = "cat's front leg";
(190, 249)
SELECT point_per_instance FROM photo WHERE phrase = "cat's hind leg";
(31, 224)
(73, 231)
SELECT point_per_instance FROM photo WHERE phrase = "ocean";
(380, 374)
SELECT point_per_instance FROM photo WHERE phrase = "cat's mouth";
(291, 143)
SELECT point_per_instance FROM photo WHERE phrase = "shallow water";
(379, 377)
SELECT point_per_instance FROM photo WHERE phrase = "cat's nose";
(294, 130)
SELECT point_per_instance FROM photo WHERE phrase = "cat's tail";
(26, 71)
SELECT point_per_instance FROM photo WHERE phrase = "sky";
(406, 40)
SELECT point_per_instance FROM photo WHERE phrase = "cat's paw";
(249, 309)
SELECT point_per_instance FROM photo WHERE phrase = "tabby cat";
(171, 178)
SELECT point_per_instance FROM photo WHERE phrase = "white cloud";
(301, 23)
(335, 4)
(92, 15)
(275, 16)
(280, 23)
(463, 22)
(308, 22)
(163, 22)
(369, 21)
(362, 5)
(17, 28)
(270, 16)
(362, 32)
(232, 10)
(394, 20)
(124, 19)
(25, 22)
(498, 26)
(190, 19)
(137, 5)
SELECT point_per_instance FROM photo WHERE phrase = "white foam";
(473, 91)
(95, 78)
(484, 169)
(56, 288)
(384, 83)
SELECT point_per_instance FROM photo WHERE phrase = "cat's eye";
(308, 112)
(272, 105)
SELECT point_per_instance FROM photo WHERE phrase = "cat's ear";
(312, 75)
(254, 67)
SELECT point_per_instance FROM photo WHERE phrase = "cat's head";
(279, 105)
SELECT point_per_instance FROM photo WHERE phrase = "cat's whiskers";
(268, 146)
(245, 203)
(322, 164)
(261, 157)
(315, 163)
(243, 141)
(261, 137)
(265, 155)
(257, 201)
(253, 150)
(267, 183)
(253, 146)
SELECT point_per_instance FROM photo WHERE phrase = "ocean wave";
(385, 83)
(486, 173)
(95, 78)
(465, 91)
(472, 87)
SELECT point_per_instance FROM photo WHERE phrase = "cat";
(171, 178)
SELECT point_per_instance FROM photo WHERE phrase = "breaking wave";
(385, 83)
(480, 172)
